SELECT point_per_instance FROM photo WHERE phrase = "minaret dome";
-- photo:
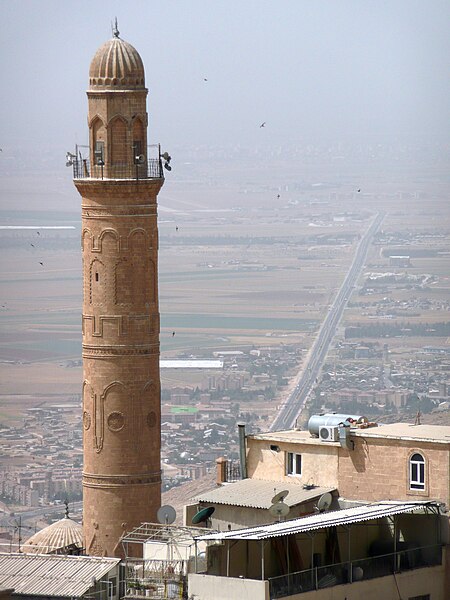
(116, 65)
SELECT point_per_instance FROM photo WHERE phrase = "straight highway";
(293, 406)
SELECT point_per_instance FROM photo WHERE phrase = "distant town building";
(400, 261)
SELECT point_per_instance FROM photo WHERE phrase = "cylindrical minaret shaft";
(121, 388)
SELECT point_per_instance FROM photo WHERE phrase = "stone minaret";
(119, 184)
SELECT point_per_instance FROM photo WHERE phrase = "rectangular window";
(293, 464)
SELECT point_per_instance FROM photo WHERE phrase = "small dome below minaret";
(116, 65)
(63, 537)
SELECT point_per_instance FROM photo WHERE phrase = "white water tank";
(333, 420)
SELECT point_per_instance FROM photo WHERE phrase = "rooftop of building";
(52, 575)
(333, 518)
(397, 431)
(258, 493)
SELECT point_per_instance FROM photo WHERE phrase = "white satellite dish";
(166, 514)
(279, 509)
(280, 496)
(324, 502)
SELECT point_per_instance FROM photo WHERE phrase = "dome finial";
(66, 502)
(115, 29)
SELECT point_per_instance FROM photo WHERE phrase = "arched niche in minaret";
(118, 141)
(98, 139)
(138, 143)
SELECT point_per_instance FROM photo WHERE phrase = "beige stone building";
(118, 178)
(387, 462)
(369, 519)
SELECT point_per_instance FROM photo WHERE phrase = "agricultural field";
(245, 259)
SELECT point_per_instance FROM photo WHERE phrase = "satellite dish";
(324, 502)
(140, 159)
(203, 515)
(166, 514)
(279, 509)
(280, 496)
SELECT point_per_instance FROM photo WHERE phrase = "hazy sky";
(311, 69)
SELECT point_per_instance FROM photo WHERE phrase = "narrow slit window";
(96, 277)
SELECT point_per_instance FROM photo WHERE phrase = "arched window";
(417, 472)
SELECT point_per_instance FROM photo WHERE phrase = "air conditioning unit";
(329, 434)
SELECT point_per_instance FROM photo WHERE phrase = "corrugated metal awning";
(52, 575)
(334, 518)
(258, 493)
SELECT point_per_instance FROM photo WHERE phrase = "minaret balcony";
(150, 168)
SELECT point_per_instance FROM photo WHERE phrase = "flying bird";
(359, 190)
(262, 124)
(278, 196)
(41, 263)
(176, 228)
(173, 333)
(32, 245)
(38, 232)
(205, 79)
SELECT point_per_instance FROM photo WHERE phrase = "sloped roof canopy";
(52, 575)
(333, 518)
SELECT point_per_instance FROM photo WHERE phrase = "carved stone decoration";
(151, 419)
(116, 421)
(86, 420)
(116, 387)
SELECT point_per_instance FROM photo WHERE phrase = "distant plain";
(256, 260)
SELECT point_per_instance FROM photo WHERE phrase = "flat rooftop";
(397, 431)
(407, 431)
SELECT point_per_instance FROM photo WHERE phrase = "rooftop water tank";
(333, 420)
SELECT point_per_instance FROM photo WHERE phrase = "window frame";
(417, 473)
(294, 464)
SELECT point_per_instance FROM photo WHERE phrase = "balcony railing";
(357, 570)
(149, 169)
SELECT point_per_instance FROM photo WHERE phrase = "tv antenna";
(279, 509)
(280, 496)
(166, 514)
(324, 502)
(203, 516)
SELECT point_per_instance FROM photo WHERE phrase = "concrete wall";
(204, 587)
(239, 517)
(319, 462)
(405, 585)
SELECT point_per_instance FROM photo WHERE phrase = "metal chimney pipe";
(242, 452)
